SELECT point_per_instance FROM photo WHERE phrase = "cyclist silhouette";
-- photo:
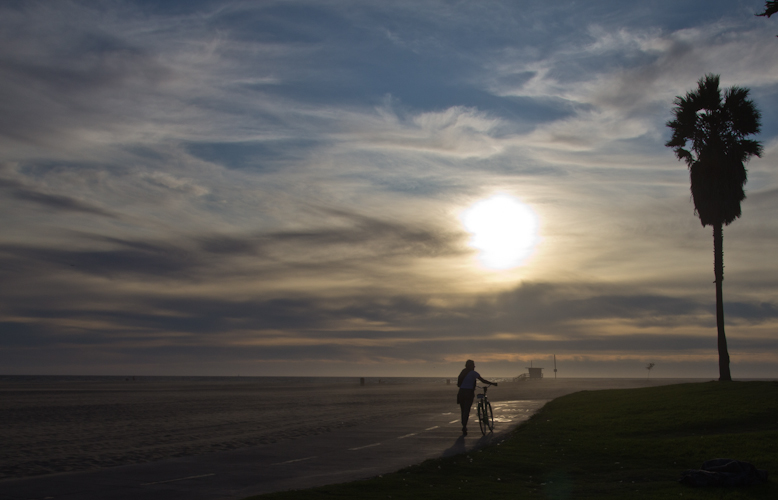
(466, 383)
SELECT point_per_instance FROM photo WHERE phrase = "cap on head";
(470, 363)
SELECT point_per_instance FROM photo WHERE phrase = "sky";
(353, 188)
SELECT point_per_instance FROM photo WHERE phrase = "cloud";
(54, 202)
(456, 131)
(66, 80)
(352, 243)
(173, 183)
(282, 181)
(654, 66)
(578, 322)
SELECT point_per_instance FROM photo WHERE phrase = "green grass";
(601, 444)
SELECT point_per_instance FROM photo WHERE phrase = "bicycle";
(484, 409)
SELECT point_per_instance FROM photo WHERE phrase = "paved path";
(343, 455)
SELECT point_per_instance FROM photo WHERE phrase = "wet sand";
(53, 427)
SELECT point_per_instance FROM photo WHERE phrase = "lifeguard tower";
(535, 372)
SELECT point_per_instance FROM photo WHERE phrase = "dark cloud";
(161, 261)
(362, 245)
(531, 309)
(384, 238)
(764, 200)
(136, 346)
(542, 317)
(61, 71)
(230, 245)
(374, 237)
(214, 315)
(753, 313)
(561, 307)
(18, 334)
(55, 202)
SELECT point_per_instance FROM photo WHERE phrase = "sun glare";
(504, 230)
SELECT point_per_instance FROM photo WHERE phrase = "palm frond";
(709, 135)
(770, 8)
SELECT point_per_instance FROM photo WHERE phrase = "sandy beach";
(50, 427)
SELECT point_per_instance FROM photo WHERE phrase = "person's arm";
(486, 381)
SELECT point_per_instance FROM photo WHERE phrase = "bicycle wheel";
(489, 416)
(482, 417)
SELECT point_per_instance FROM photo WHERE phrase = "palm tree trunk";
(718, 264)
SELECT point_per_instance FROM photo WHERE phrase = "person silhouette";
(466, 383)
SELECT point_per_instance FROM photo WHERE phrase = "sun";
(504, 229)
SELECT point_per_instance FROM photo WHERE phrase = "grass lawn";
(602, 444)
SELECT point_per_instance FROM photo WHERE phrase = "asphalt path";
(354, 453)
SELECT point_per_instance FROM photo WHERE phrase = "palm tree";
(717, 130)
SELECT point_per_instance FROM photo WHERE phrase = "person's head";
(470, 364)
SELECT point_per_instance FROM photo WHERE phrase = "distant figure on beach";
(466, 383)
